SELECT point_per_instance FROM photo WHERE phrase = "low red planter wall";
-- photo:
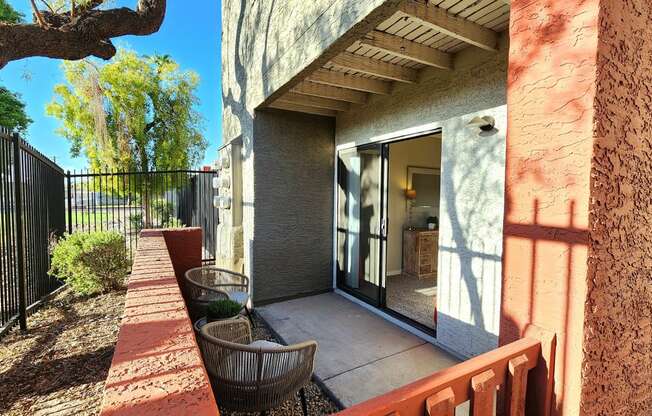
(157, 367)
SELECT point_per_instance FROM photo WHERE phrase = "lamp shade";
(411, 193)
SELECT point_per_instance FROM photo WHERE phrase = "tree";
(134, 113)
(76, 29)
(12, 111)
(8, 14)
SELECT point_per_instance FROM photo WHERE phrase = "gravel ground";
(59, 367)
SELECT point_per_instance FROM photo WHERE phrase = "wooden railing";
(476, 380)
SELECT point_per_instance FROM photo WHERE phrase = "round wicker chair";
(254, 377)
(206, 284)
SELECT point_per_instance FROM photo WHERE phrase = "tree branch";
(89, 33)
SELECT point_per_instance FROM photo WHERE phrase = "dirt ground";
(59, 366)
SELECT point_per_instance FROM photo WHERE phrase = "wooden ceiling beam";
(280, 105)
(438, 19)
(407, 49)
(342, 80)
(375, 67)
(327, 91)
(318, 102)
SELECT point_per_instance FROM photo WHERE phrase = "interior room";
(413, 228)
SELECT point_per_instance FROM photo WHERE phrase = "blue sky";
(190, 35)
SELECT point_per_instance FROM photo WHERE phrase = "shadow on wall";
(468, 188)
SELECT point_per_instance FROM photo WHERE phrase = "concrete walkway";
(360, 355)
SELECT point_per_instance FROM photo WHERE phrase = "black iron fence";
(32, 207)
(39, 202)
(127, 202)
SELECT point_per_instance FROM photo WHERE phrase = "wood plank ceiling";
(420, 35)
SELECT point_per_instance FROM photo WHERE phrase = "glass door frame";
(383, 145)
(379, 301)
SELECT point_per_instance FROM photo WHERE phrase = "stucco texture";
(293, 232)
(551, 90)
(267, 43)
(471, 205)
(617, 369)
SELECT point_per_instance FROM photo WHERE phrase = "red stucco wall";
(551, 91)
(617, 370)
(157, 367)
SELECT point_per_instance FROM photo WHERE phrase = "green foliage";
(174, 223)
(8, 14)
(91, 262)
(134, 113)
(163, 210)
(136, 221)
(222, 309)
(12, 111)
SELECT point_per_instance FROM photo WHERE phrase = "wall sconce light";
(485, 123)
(411, 194)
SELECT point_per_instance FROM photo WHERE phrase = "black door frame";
(381, 303)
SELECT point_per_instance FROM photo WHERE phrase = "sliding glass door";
(361, 221)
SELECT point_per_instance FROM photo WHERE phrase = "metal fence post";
(69, 200)
(20, 243)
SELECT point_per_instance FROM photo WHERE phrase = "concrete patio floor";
(360, 354)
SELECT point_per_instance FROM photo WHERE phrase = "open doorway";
(413, 190)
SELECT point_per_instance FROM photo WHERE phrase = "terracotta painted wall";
(617, 368)
(550, 97)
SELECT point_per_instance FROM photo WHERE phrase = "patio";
(360, 355)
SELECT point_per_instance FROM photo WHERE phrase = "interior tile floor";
(412, 297)
(360, 355)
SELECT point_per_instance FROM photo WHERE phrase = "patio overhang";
(418, 42)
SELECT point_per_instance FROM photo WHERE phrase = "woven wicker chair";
(206, 284)
(254, 377)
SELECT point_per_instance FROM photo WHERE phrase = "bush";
(91, 262)
(174, 223)
(222, 309)
(163, 210)
(136, 221)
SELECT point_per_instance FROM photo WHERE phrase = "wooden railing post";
(441, 403)
(516, 386)
(483, 401)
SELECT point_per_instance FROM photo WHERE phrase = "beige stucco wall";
(265, 44)
(422, 152)
(472, 194)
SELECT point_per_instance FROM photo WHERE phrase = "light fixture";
(485, 123)
(411, 194)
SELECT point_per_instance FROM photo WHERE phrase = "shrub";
(222, 309)
(136, 221)
(163, 211)
(91, 262)
(174, 223)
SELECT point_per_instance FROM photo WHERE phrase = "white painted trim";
(393, 272)
(411, 132)
(422, 130)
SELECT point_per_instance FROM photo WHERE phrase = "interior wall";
(422, 152)
(293, 183)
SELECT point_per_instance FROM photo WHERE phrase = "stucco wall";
(472, 176)
(265, 44)
(551, 90)
(293, 231)
(471, 234)
(618, 313)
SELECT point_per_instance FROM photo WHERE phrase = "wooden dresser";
(420, 248)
